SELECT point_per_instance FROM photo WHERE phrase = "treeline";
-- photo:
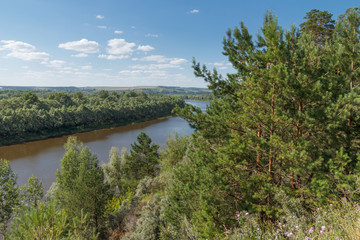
(38, 115)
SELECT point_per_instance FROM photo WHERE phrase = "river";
(42, 158)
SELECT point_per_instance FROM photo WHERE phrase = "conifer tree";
(320, 24)
(143, 157)
(278, 124)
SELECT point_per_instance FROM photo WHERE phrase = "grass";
(329, 222)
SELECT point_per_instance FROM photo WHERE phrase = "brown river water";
(42, 158)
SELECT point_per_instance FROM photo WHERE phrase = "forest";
(26, 115)
(276, 155)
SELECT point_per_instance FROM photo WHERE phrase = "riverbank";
(43, 135)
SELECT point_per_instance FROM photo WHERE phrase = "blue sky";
(129, 42)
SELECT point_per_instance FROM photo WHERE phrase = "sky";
(129, 42)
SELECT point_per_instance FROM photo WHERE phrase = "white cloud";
(155, 66)
(152, 58)
(145, 48)
(118, 32)
(80, 55)
(102, 27)
(56, 63)
(83, 45)
(16, 46)
(221, 65)
(120, 47)
(113, 57)
(177, 61)
(100, 16)
(30, 56)
(162, 59)
(152, 35)
(23, 51)
(194, 11)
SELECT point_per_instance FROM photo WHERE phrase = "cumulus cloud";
(100, 16)
(102, 27)
(118, 32)
(83, 45)
(145, 48)
(23, 51)
(120, 47)
(16, 46)
(194, 11)
(30, 56)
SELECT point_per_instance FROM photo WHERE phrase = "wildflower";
(321, 232)
(283, 225)
(331, 205)
(311, 230)
(246, 214)
(296, 226)
(323, 228)
(258, 229)
(238, 215)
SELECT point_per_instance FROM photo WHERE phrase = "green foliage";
(39, 115)
(115, 170)
(143, 158)
(286, 121)
(114, 204)
(47, 222)
(33, 192)
(80, 185)
(319, 24)
(9, 194)
(42, 222)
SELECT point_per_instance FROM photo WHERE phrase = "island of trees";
(275, 156)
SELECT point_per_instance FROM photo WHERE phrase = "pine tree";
(277, 124)
(320, 24)
(143, 158)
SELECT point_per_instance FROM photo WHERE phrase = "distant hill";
(145, 89)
